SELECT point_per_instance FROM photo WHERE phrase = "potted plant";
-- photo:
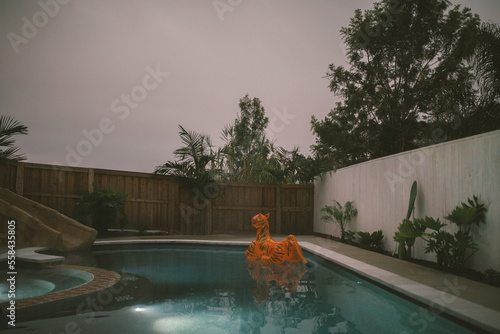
(104, 206)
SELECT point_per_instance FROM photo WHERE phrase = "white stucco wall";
(447, 174)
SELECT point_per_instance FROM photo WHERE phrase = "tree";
(297, 168)
(250, 157)
(486, 59)
(247, 151)
(484, 55)
(10, 127)
(196, 163)
(407, 78)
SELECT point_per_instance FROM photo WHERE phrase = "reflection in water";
(283, 301)
(186, 289)
(287, 275)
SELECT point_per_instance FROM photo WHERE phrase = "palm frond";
(10, 127)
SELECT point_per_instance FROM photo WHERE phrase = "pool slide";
(38, 225)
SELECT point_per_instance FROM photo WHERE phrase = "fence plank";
(156, 202)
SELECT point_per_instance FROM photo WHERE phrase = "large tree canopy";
(410, 82)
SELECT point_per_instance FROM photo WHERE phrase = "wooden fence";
(156, 202)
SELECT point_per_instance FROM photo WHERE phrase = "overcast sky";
(105, 84)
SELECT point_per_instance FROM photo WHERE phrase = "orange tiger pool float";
(271, 251)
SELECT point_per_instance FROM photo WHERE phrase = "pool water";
(36, 282)
(208, 289)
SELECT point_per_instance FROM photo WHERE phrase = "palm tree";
(10, 127)
(486, 58)
(196, 163)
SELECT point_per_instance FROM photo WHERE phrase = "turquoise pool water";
(208, 289)
(36, 282)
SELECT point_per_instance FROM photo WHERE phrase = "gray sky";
(105, 84)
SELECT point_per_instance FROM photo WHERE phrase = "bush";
(373, 240)
(492, 277)
(339, 215)
(454, 250)
(104, 206)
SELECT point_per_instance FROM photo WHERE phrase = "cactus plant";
(408, 231)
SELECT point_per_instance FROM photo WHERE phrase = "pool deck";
(473, 302)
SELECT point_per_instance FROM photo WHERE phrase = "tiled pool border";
(472, 313)
(101, 279)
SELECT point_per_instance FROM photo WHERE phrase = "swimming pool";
(37, 282)
(186, 288)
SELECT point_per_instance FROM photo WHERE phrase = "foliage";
(296, 168)
(469, 214)
(408, 231)
(104, 206)
(246, 156)
(247, 151)
(486, 58)
(484, 55)
(454, 250)
(10, 127)
(350, 236)
(408, 77)
(492, 277)
(373, 240)
(413, 196)
(438, 241)
(405, 236)
(341, 216)
(249, 156)
(196, 161)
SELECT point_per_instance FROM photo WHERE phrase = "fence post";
(278, 209)
(91, 180)
(20, 178)
(173, 205)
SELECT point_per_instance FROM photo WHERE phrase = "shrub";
(373, 240)
(492, 277)
(341, 216)
(104, 206)
(454, 250)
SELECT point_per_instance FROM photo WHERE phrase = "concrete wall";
(447, 174)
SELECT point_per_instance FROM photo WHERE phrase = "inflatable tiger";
(271, 251)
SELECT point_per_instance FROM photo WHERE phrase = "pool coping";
(33, 255)
(101, 279)
(438, 301)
